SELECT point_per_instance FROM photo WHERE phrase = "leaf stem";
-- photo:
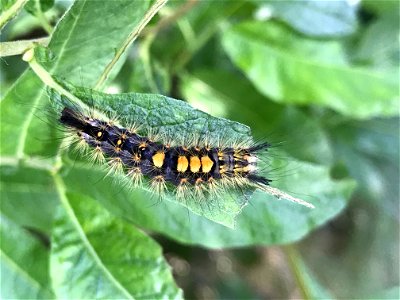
(20, 47)
(42, 18)
(131, 38)
(11, 12)
(29, 56)
(294, 260)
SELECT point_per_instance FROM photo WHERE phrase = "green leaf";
(378, 46)
(370, 152)
(24, 264)
(87, 27)
(96, 256)
(27, 195)
(313, 17)
(175, 119)
(264, 221)
(292, 69)
(227, 95)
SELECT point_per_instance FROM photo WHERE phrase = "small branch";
(131, 38)
(10, 13)
(20, 47)
(42, 18)
(294, 264)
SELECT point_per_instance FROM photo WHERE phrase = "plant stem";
(10, 13)
(42, 18)
(20, 47)
(170, 19)
(131, 38)
(294, 260)
(29, 56)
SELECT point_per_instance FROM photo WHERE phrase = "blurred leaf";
(28, 196)
(96, 256)
(292, 69)
(227, 95)
(390, 293)
(379, 45)
(24, 264)
(370, 150)
(313, 17)
(5, 4)
(172, 118)
(21, 128)
(33, 6)
(192, 31)
(381, 6)
(265, 221)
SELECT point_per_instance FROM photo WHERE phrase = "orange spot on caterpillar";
(182, 164)
(158, 159)
(195, 164)
(206, 164)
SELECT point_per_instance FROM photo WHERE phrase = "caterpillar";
(195, 167)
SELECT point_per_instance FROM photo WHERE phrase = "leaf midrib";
(86, 243)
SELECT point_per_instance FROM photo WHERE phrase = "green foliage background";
(322, 76)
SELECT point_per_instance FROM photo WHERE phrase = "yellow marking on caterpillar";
(99, 134)
(183, 164)
(195, 164)
(158, 159)
(206, 164)
(119, 142)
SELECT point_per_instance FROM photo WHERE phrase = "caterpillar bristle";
(281, 195)
(195, 166)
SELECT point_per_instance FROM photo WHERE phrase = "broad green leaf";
(389, 293)
(27, 195)
(87, 27)
(97, 256)
(313, 17)
(380, 7)
(24, 264)
(379, 47)
(228, 95)
(291, 69)
(370, 152)
(264, 221)
(179, 121)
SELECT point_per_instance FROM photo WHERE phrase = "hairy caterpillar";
(194, 166)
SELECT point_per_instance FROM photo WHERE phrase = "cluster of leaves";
(311, 72)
